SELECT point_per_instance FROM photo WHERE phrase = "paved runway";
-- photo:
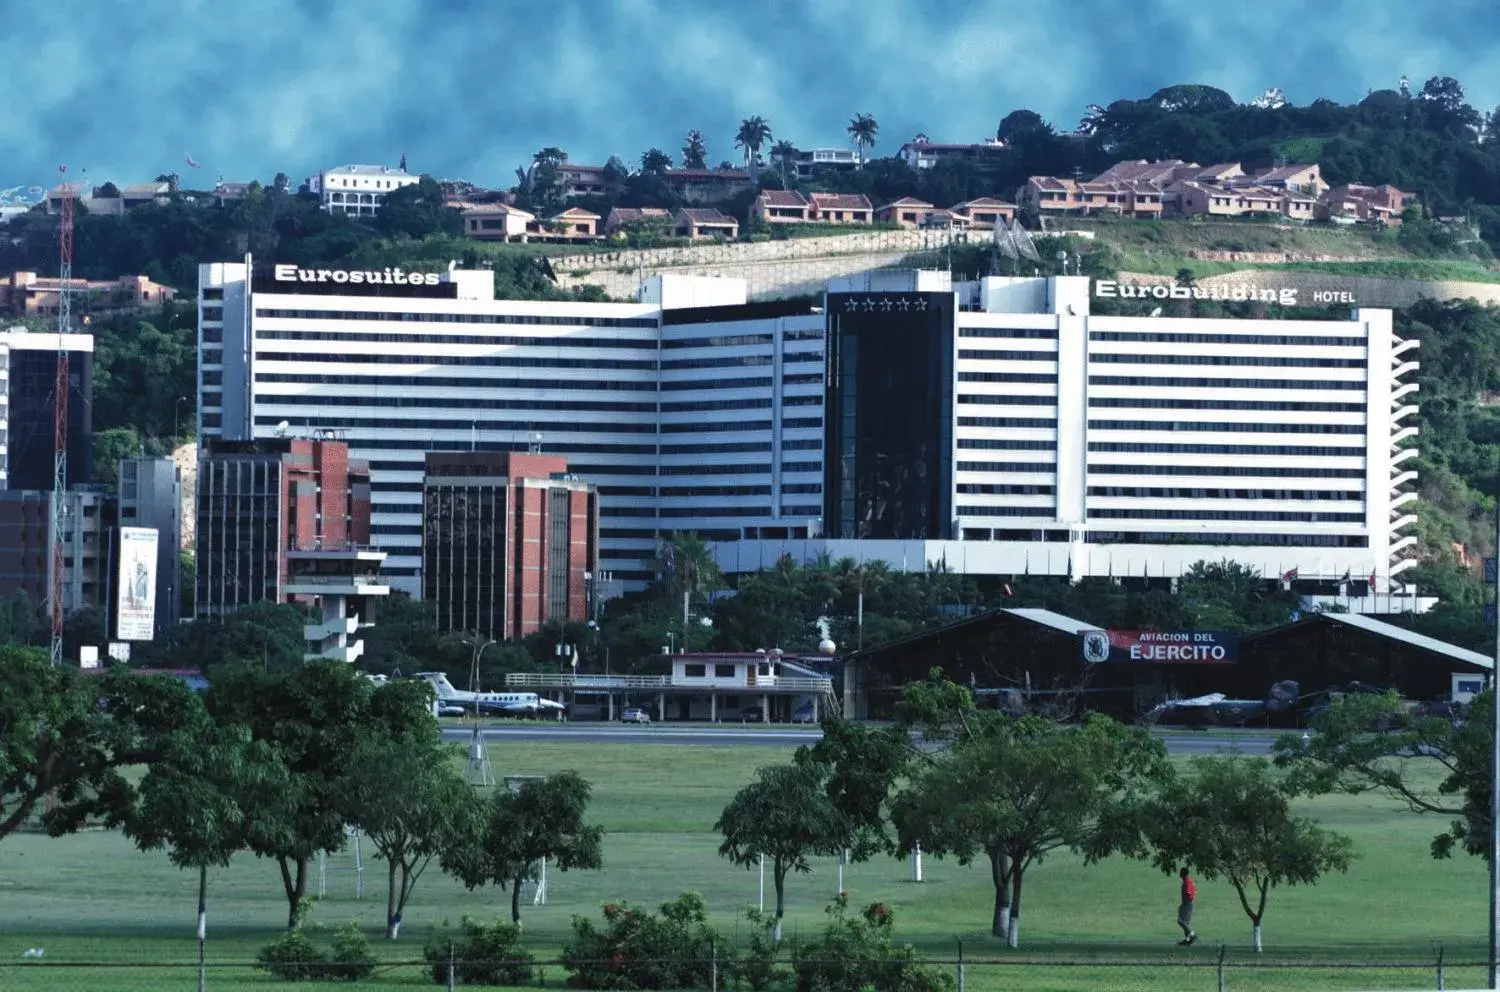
(1253, 742)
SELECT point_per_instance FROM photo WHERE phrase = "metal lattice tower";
(60, 410)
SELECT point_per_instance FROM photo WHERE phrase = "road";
(1178, 743)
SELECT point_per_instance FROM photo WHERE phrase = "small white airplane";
(507, 703)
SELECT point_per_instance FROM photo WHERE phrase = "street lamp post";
(176, 413)
(474, 671)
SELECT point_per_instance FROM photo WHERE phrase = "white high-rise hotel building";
(994, 425)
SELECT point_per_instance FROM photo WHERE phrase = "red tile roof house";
(1297, 178)
(841, 208)
(496, 222)
(700, 224)
(1371, 204)
(938, 219)
(906, 212)
(779, 206)
(621, 216)
(985, 212)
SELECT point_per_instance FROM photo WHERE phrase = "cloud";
(470, 88)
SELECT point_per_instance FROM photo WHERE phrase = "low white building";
(358, 190)
(748, 687)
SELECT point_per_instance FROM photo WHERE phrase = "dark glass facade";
(889, 428)
(33, 379)
(464, 551)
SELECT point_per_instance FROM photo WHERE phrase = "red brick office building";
(510, 541)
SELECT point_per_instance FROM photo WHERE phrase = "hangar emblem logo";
(1096, 646)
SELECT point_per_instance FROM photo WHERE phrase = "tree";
(266, 636)
(694, 150)
(53, 742)
(655, 162)
(1344, 757)
(1018, 123)
(540, 820)
(786, 816)
(1231, 819)
(1014, 790)
(754, 132)
(860, 767)
(784, 154)
(863, 130)
(110, 445)
(414, 806)
(418, 210)
(204, 789)
(317, 716)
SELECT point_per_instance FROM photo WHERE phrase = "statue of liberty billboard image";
(135, 603)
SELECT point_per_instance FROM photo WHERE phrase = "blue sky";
(469, 88)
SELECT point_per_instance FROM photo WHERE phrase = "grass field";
(92, 898)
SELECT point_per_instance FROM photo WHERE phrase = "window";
(723, 671)
(693, 671)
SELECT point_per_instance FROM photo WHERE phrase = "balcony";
(336, 585)
(331, 628)
(347, 655)
(776, 684)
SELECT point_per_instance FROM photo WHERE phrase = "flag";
(403, 161)
(188, 158)
(1348, 576)
(1372, 580)
(1288, 576)
(1006, 588)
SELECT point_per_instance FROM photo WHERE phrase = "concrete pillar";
(713, 707)
(765, 708)
(818, 719)
(609, 706)
(661, 707)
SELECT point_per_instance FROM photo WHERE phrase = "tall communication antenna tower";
(60, 408)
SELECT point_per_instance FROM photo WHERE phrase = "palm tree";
(783, 155)
(864, 130)
(753, 133)
(694, 150)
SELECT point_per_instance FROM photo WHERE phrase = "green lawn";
(92, 898)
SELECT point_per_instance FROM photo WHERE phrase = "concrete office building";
(26, 542)
(999, 427)
(150, 495)
(287, 520)
(28, 383)
(996, 425)
(510, 542)
(689, 405)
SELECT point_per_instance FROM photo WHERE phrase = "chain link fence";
(1213, 972)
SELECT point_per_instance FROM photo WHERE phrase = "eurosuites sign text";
(371, 277)
(1161, 647)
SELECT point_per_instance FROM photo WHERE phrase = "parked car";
(804, 714)
(635, 714)
(752, 714)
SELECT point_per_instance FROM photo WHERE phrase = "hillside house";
(699, 224)
(779, 206)
(841, 208)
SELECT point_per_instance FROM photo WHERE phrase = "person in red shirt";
(1185, 911)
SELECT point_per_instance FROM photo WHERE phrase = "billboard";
(1161, 647)
(135, 584)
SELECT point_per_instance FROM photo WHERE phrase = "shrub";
(482, 955)
(636, 950)
(352, 959)
(293, 957)
(855, 954)
(756, 966)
